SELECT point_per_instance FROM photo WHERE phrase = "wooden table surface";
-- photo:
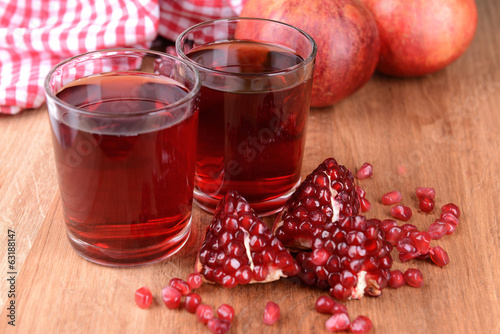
(443, 128)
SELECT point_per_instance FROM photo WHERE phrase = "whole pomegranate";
(419, 37)
(345, 33)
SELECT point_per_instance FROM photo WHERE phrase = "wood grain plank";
(442, 128)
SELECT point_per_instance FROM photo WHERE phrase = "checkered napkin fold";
(35, 35)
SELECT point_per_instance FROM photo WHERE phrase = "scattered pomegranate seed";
(191, 302)
(143, 297)
(450, 207)
(271, 313)
(450, 217)
(324, 304)
(180, 285)
(194, 281)
(339, 308)
(426, 204)
(218, 326)
(426, 192)
(401, 212)
(437, 230)
(439, 256)
(365, 171)
(392, 197)
(361, 325)
(171, 297)
(226, 312)
(204, 313)
(338, 322)
(361, 192)
(414, 278)
(364, 205)
(397, 279)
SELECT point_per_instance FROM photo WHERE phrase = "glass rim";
(190, 94)
(303, 63)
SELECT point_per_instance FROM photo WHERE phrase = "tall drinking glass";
(124, 125)
(256, 78)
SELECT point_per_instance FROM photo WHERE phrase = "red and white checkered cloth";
(35, 35)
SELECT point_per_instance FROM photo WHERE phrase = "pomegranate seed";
(365, 171)
(426, 204)
(191, 302)
(339, 308)
(386, 224)
(338, 322)
(364, 205)
(426, 192)
(450, 207)
(194, 281)
(171, 297)
(437, 230)
(392, 197)
(180, 285)
(271, 313)
(397, 279)
(414, 278)
(401, 212)
(226, 312)
(361, 192)
(204, 313)
(218, 326)
(361, 325)
(439, 256)
(422, 241)
(143, 297)
(450, 217)
(393, 234)
(319, 256)
(324, 304)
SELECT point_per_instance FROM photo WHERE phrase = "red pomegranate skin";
(346, 36)
(420, 37)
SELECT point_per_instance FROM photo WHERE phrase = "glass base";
(129, 258)
(263, 209)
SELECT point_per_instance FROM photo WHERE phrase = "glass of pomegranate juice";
(256, 78)
(124, 125)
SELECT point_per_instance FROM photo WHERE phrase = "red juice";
(126, 184)
(252, 127)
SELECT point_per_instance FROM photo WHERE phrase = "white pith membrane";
(274, 273)
(359, 290)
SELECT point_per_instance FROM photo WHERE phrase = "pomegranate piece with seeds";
(271, 313)
(143, 297)
(426, 204)
(238, 248)
(191, 302)
(204, 313)
(361, 325)
(357, 257)
(171, 297)
(365, 171)
(391, 197)
(401, 212)
(338, 322)
(414, 278)
(325, 195)
(218, 326)
(226, 312)
(422, 192)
